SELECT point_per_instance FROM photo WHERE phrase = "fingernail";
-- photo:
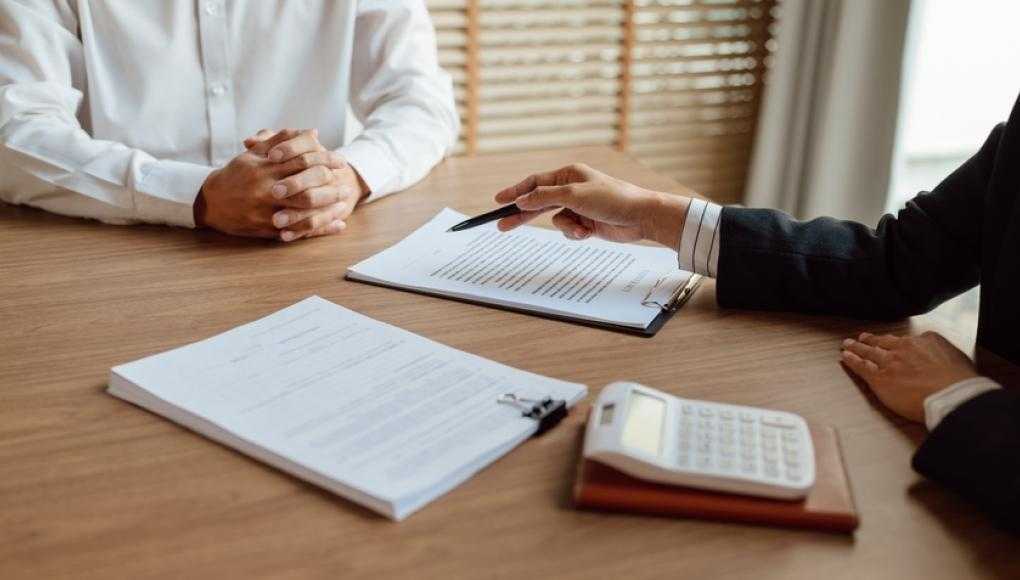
(339, 225)
(279, 191)
(848, 342)
(280, 219)
(579, 232)
(288, 236)
(275, 155)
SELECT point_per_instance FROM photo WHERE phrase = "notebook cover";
(649, 331)
(829, 507)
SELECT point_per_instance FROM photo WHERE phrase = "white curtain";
(828, 120)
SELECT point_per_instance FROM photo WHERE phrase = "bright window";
(961, 77)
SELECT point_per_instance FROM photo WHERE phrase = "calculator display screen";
(646, 416)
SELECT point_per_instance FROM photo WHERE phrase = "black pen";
(505, 211)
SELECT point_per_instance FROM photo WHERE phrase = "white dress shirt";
(699, 253)
(118, 110)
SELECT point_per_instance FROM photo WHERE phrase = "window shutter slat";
(676, 83)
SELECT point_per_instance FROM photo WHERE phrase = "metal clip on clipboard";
(548, 411)
(677, 298)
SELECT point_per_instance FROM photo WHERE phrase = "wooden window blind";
(675, 83)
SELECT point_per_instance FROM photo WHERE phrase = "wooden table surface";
(92, 487)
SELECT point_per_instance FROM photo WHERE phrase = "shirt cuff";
(944, 402)
(699, 241)
(167, 192)
(374, 165)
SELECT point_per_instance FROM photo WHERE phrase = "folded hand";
(313, 201)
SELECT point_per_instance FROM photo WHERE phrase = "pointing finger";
(527, 184)
(546, 197)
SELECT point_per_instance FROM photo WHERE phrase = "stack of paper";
(376, 414)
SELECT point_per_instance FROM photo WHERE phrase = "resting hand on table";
(904, 371)
(313, 202)
(591, 203)
(281, 197)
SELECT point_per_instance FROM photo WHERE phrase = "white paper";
(531, 268)
(334, 396)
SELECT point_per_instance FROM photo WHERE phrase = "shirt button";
(218, 90)
(212, 8)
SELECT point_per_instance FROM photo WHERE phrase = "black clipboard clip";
(548, 411)
(677, 298)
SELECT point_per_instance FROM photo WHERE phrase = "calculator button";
(682, 459)
(771, 470)
(747, 453)
(687, 409)
(746, 416)
(704, 462)
(726, 450)
(706, 412)
(704, 447)
(748, 467)
(726, 414)
(725, 464)
(770, 455)
(790, 437)
(780, 421)
(769, 444)
(793, 474)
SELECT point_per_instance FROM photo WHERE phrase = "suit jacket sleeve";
(975, 451)
(927, 254)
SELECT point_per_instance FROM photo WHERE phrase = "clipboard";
(677, 299)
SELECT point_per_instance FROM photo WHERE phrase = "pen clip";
(679, 295)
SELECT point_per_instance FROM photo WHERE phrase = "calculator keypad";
(740, 443)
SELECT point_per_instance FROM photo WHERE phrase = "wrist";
(200, 208)
(665, 217)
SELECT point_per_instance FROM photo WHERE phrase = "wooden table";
(92, 487)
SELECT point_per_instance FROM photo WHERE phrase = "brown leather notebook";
(829, 506)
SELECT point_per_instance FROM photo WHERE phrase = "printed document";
(530, 268)
(376, 414)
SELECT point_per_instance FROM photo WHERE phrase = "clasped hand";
(285, 186)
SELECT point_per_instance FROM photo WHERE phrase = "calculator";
(658, 437)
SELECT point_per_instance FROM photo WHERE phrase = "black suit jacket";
(965, 232)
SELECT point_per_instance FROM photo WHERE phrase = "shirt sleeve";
(944, 402)
(47, 160)
(401, 96)
(699, 241)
